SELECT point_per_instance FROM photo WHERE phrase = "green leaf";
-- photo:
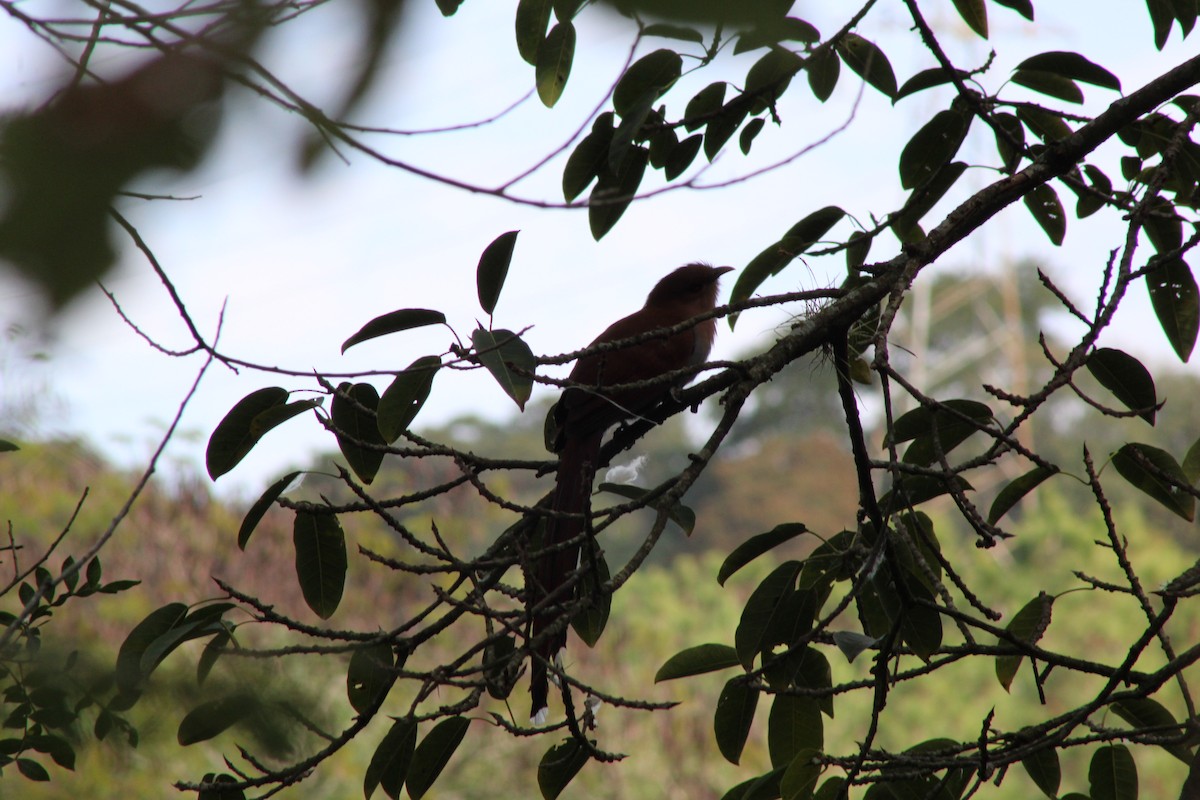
(769, 77)
(1047, 125)
(434, 753)
(928, 79)
(823, 71)
(533, 17)
(589, 158)
(1043, 768)
(405, 396)
(1049, 84)
(1146, 712)
(215, 648)
(945, 423)
(673, 32)
(921, 626)
(1112, 774)
(932, 147)
(355, 426)
(392, 757)
(233, 437)
(869, 62)
(1176, 301)
(559, 766)
(706, 102)
(801, 776)
(1010, 155)
(32, 770)
(320, 560)
(1012, 493)
(761, 787)
(924, 198)
(912, 490)
(554, 58)
(214, 717)
(678, 513)
(1073, 67)
(371, 671)
(261, 506)
(493, 268)
(509, 359)
(129, 672)
(7, 446)
(1140, 463)
(589, 622)
(56, 747)
(1126, 378)
(698, 660)
(650, 76)
(1028, 625)
(1047, 211)
(974, 13)
(615, 191)
(1022, 7)
(1191, 463)
(755, 546)
(772, 614)
(794, 725)
(394, 322)
(734, 715)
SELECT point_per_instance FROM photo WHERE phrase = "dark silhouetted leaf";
(696, 661)
(1049, 84)
(261, 506)
(404, 397)
(650, 76)
(1126, 378)
(763, 607)
(1072, 66)
(589, 622)
(215, 648)
(1141, 465)
(706, 102)
(589, 158)
(493, 269)
(931, 148)
(1028, 625)
(823, 70)
(559, 766)
(212, 718)
(673, 32)
(370, 672)
(752, 129)
(793, 725)
(320, 560)
(974, 13)
(1112, 774)
(392, 757)
(554, 58)
(678, 513)
(1146, 712)
(233, 437)
(1022, 7)
(734, 715)
(866, 59)
(434, 753)
(1012, 493)
(1176, 301)
(928, 79)
(129, 671)
(394, 322)
(356, 428)
(509, 359)
(1047, 210)
(1191, 463)
(681, 157)
(755, 546)
(1046, 125)
(615, 191)
(912, 490)
(533, 17)
(1043, 768)
(724, 125)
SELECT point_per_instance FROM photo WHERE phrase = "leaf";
(129, 673)
(32, 769)
(932, 147)
(559, 766)
(682, 157)
(649, 76)
(615, 191)
(1146, 712)
(355, 426)
(261, 506)
(589, 158)
(1126, 378)
(1047, 125)
(769, 77)
(704, 103)
(320, 560)
(405, 396)
(734, 715)
(945, 422)
(554, 58)
(724, 125)
(678, 513)
(500, 666)
(371, 671)
(1022, 7)
(673, 32)
(755, 546)
(1012, 493)
(589, 622)
(1029, 625)
(869, 62)
(924, 198)
(912, 490)
(1140, 463)
(1191, 463)
(509, 359)
(212, 718)
(974, 13)
(1010, 154)
(1043, 768)
(751, 130)
(1112, 774)
(1176, 301)
(1047, 211)
(394, 322)
(7, 446)
(434, 753)
(928, 79)
(493, 268)
(1049, 84)
(1073, 67)
(758, 618)
(698, 660)
(533, 17)
(794, 725)
(392, 757)
(233, 437)
(823, 71)
(212, 651)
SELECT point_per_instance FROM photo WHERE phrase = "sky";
(300, 262)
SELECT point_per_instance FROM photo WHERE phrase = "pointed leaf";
(1049, 84)
(1146, 712)
(615, 191)
(697, 660)
(233, 438)
(356, 428)
(554, 58)
(434, 753)
(793, 725)
(722, 127)
(493, 269)
(866, 59)
(1112, 774)
(651, 75)
(1126, 378)
(392, 757)
(215, 648)
(1028, 625)
(1140, 464)
(755, 546)
(758, 617)
(261, 506)
(394, 322)
(589, 159)
(928, 79)
(1047, 211)
(509, 359)
(533, 17)
(320, 560)
(734, 715)
(674, 32)
(1012, 493)
(1010, 151)
(1176, 301)
(1022, 7)
(932, 147)
(589, 622)
(1074, 67)
(404, 397)
(801, 776)
(823, 70)
(681, 157)
(706, 102)
(974, 13)
(371, 671)
(1191, 463)
(1043, 768)
(559, 766)
(129, 671)
(212, 718)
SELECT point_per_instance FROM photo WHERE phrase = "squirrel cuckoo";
(608, 387)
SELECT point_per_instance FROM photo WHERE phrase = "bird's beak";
(722, 270)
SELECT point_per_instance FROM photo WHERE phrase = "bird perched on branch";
(609, 386)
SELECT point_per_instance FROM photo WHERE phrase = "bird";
(603, 389)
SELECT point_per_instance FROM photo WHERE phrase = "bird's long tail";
(573, 487)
